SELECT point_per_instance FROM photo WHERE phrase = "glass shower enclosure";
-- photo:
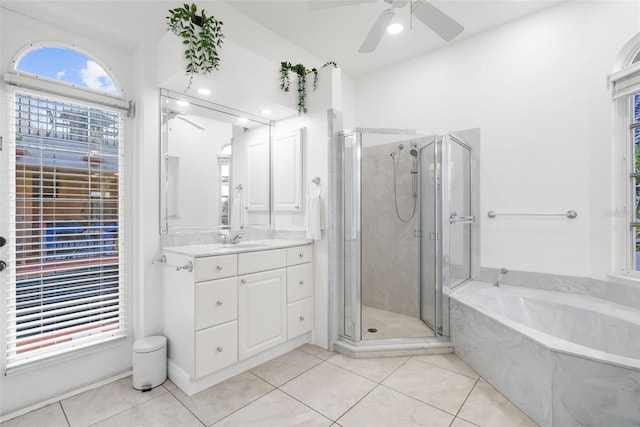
(409, 232)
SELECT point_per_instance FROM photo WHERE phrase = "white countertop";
(222, 249)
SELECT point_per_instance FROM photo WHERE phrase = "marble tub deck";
(308, 387)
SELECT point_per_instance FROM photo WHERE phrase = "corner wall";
(537, 89)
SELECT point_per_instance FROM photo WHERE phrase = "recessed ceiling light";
(395, 28)
(266, 111)
(204, 91)
(243, 119)
(182, 103)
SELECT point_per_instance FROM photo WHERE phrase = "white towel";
(314, 217)
(236, 209)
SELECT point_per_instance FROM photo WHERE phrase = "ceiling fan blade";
(437, 20)
(190, 122)
(377, 31)
(329, 4)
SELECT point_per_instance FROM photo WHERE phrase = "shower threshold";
(393, 347)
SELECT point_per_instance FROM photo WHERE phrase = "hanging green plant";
(202, 36)
(301, 71)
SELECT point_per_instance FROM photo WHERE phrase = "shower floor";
(391, 325)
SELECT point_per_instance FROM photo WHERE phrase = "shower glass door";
(429, 188)
(446, 219)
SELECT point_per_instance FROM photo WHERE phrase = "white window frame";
(24, 83)
(624, 83)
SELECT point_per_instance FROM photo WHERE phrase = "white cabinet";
(258, 174)
(287, 170)
(216, 348)
(299, 291)
(262, 311)
(234, 306)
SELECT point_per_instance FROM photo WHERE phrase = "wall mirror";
(215, 167)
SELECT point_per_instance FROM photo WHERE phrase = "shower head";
(414, 150)
(397, 150)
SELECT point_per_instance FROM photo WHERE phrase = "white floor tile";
(222, 399)
(384, 407)
(328, 389)
(275, 409)
(438, 387)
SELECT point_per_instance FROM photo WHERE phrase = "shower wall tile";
(517, 367)
(588, 393)
(390, 253)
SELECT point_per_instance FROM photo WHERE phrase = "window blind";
(65, 281)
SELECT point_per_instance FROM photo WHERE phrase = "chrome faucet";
(228, 239)
(501, 275)
(235, 238)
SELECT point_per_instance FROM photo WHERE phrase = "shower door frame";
(356, 222)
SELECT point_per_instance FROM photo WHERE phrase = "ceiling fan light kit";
(438, 21)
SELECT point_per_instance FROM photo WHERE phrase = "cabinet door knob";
(219, 302)
(301, 318)
(243, 281)
(219, 267)
(301, 282)
(219, 349)
(301, 255)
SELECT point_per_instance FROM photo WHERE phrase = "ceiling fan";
(438, 21)
(170, 115)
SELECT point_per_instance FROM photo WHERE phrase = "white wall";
(537, 89)
(52, 378)
(197, 154)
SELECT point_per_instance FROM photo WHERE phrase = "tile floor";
(305, 387)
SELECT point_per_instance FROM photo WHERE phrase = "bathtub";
(564, 359)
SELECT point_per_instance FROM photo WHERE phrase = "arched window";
(66, 65)
(66, 288)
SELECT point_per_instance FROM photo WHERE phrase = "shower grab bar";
(163, 261)
(569, 214)
(453, 219)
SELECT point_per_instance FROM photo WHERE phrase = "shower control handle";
(453, 219)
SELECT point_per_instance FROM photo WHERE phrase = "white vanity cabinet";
(299, 291)
(232, 307)
(215, 313)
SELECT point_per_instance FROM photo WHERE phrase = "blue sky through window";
(68, 66)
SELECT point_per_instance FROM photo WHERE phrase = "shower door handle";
(453, 219)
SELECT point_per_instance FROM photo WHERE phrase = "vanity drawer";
(216, 302)
(299, 254)
(299, 317)
(216, 348)
(299, 282)
(251, 262)
(215, 267)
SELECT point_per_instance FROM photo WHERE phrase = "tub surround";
(504, 334)
(618, 290)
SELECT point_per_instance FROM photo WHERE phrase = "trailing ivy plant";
(202, 36)
(302, 72)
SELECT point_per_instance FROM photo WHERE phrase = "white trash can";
(149, 362)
